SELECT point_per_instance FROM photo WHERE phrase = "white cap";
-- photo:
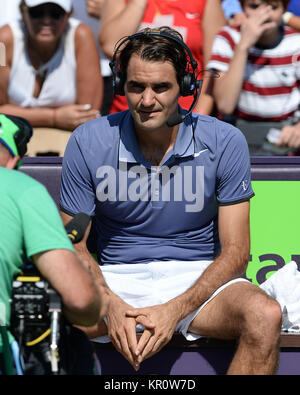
(65, 4)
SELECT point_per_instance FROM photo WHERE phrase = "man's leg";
(244, 312)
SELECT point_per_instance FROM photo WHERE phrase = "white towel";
(284, 286)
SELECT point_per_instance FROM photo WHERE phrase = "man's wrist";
(176, 307)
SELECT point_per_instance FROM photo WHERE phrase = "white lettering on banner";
(188, 184)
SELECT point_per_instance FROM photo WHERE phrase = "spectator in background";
(50, 60)
(89, 12)
(197, 20)
(260, 75)
(235, 16)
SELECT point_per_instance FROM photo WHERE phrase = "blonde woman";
(52, 76)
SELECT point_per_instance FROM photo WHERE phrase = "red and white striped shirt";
(270, 90)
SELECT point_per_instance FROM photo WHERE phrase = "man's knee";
(263, 319)
(258, 348)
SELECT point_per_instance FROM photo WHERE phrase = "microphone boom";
(77, 226)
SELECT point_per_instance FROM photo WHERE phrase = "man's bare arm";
(121, 329)
(230, 264)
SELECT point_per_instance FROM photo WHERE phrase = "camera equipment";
(36, 307)
(77, 226)
(35, 314)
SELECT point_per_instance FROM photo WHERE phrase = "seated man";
(258, 64)
(31, 227)
(169, 191)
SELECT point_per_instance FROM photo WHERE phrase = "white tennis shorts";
(142, 285)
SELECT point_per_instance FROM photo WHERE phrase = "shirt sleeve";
(77, 193)
(42, 225)
(223, 49)
(231, 7)
(234, 170)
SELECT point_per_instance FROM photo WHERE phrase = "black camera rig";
(36, 307)
(35, 314)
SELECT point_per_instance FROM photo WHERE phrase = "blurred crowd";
(57, 53)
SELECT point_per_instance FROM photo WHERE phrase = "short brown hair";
(155, 48)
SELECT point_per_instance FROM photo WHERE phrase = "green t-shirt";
(29, 223)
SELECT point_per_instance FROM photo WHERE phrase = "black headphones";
(189, 83)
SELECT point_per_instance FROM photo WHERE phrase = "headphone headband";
(189, 81)
(193, 62)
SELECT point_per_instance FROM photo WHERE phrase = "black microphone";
(175, 119)
(77, 226)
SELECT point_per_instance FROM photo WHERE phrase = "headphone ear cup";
(118, 84)
(188, 85)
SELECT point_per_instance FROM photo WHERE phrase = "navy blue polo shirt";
(146, 213)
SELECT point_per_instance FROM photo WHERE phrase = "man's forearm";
(226, 267)
(93, 266)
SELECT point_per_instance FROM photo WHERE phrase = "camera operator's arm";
(66, 274)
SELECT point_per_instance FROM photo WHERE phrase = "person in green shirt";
(30, 226)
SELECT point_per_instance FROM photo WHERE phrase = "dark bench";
(202, 357)
(180, 357)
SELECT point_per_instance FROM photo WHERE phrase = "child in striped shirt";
(259, 67)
